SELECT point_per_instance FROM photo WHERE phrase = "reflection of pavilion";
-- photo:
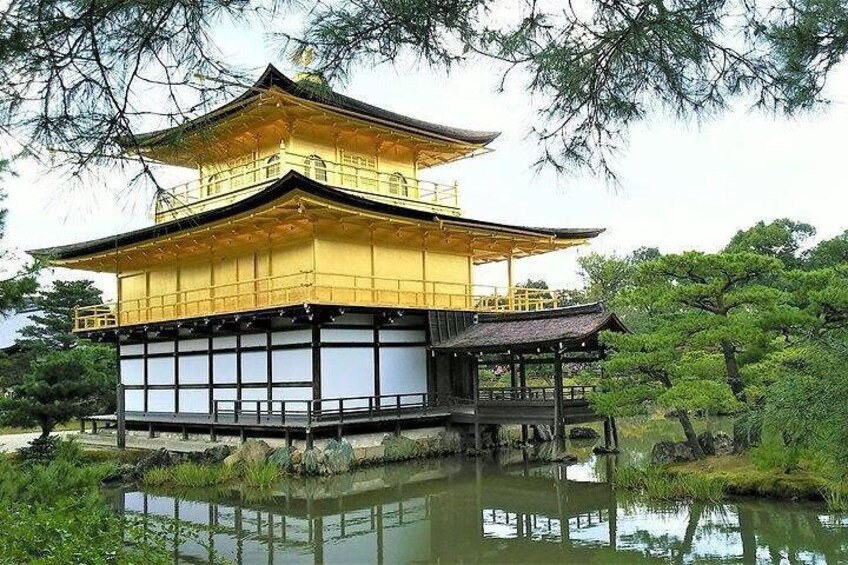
(447, 514)
(452, 512)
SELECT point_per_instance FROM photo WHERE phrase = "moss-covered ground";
(742, 477)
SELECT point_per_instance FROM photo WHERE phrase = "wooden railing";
(333, 410)
(543, 393)
(231, 184)
(313, 288)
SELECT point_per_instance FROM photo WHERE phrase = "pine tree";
(52, 327)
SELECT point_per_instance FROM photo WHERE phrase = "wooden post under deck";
(559, 427)
(614, 429)
(122, 418)
(475, 383)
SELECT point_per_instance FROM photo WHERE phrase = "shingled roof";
(289, 182)
(319, 94)
(530, 330)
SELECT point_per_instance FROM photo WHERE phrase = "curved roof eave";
(288, 183)
(272, 77)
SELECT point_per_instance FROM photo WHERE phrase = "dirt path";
(11, 442)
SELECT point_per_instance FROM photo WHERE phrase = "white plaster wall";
(254, 340)
(161, 400)
(402, 336)
(134, 400)
(160, 347)
(132, 349)
(194, 345)
(160, 371)
(347, 372)
(194, 401)
(223, 368)
(292, 393)
(290, 365)
(333, 335)
(225, 342)
(194, 369)
(294, 336)
(132, 371)
(254, 367)
(403, 370)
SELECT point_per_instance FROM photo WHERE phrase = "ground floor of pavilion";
(313, 371)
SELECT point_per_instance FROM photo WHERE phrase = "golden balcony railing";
(235, 183)
(309, 287)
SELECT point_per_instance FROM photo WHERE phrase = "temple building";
(310, 281)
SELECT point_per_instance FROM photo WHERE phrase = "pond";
(504, 508)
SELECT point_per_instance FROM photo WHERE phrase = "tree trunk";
(46, 428)
(691, 436)
(732, 368)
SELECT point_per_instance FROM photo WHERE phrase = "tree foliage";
(739, 330)
(52, 327)
(74, 76)
(782, 239)
(828, 253)
(61, 386)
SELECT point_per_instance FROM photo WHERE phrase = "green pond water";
(505, 508)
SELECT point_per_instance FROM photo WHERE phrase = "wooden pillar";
(559, 425)
(510, 277)
(607, 434)
(122, 418)
(522, 376)
(475, 387)
(513, 371)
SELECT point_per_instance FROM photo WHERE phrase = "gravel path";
(11, 442)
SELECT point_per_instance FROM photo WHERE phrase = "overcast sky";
(683, 186)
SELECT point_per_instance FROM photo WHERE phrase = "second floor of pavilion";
(298, 241)
(280, 125)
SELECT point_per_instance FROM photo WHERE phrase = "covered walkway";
(464, 343)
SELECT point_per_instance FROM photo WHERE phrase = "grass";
(193, 475)
(655, 483)
(190, 475)
(260, 475)
(54, 512)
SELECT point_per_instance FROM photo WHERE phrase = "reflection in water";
(458, 510)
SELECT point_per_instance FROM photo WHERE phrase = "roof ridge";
(338, 102)
(561, 312)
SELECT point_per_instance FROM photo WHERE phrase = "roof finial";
(303, 57)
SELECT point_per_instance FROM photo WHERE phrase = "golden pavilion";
(309, 278)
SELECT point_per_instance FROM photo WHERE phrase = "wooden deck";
(338, 416)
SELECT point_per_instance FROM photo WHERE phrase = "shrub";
(773, 455)
(54, 513)
(41, 450)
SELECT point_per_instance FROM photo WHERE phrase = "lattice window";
(215, 184)
(398, 185)
(272, 167)
(315, 168)
(359, 170)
